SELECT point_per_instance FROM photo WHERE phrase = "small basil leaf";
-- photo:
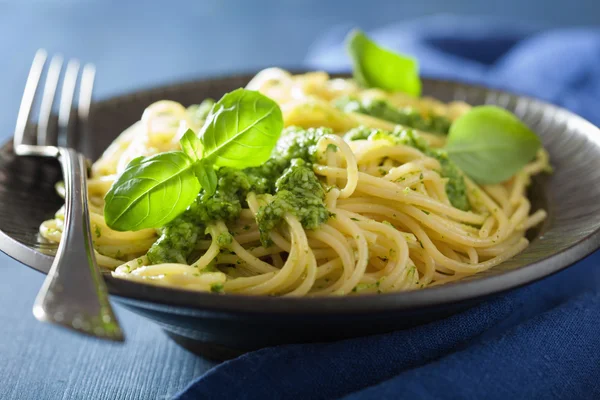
(151, 192)
(374, 66)
(191, 145)
(205, 172)
(241, 130)
(491, 144)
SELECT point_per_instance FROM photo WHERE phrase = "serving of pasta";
(388, 221)
(361, 193)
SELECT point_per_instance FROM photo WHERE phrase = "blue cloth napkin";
(538, 342)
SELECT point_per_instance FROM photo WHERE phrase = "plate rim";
(153, 296)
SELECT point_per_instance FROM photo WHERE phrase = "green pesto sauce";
(176, 242)
(360, 133)
(225, 239)
(298, 143)
(382, 109)
(300, 193)
(288, 166)
(456, 188)
(216, 288)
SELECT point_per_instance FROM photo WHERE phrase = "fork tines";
(52, 132)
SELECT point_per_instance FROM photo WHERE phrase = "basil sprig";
(240, 131)
(490, 144)
(374, 66)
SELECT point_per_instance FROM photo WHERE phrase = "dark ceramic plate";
(222, 326)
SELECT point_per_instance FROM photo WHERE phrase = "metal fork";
(74, 294)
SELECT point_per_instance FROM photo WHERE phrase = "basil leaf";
(375, 66)
(205, 172)
(191, 145)
(151, 192)
(491, 144)
(241, 130)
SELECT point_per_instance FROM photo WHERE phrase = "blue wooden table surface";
(136, 45)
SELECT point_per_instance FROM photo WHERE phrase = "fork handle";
(65, 297)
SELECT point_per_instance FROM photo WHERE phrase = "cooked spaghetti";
(355, 199)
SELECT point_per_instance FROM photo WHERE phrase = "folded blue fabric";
(537, 342)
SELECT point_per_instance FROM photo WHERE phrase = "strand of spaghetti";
(257, 265)
(533, 220)
(317, 245)
(295, 260)
(445, 279)
(542, 163)
(248, 237)
(107, 262)
(434, 183)
(348, 155)
(202, 244)
(277, 260)
(163, 269)
(239, 284)
(103, 234)
(345, 224)
(267, 76)
(247, 214)
(428, 265)
(129, 247)
(331, 160)
(164, 107)
(427, 220)
(212, 252)
(398, 263)
(235, 272)
(520, 214)
(520, 181)
(343, 251)
(378, 263)
(312, 112)
(174, 274)
(108, 161)
(501, 247)
(328, 267)
(412, 278)
(447, 251)
(487, 226)
(380, 188)
(49, 231)
(396, 207)
(491, 206)
(439, 258)
(400, 153)
(281, 242)
(293, 284)
(331, 198)
(256, 252)
(473, 256)
(100, 185)
(310, 276)
(499, 194)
